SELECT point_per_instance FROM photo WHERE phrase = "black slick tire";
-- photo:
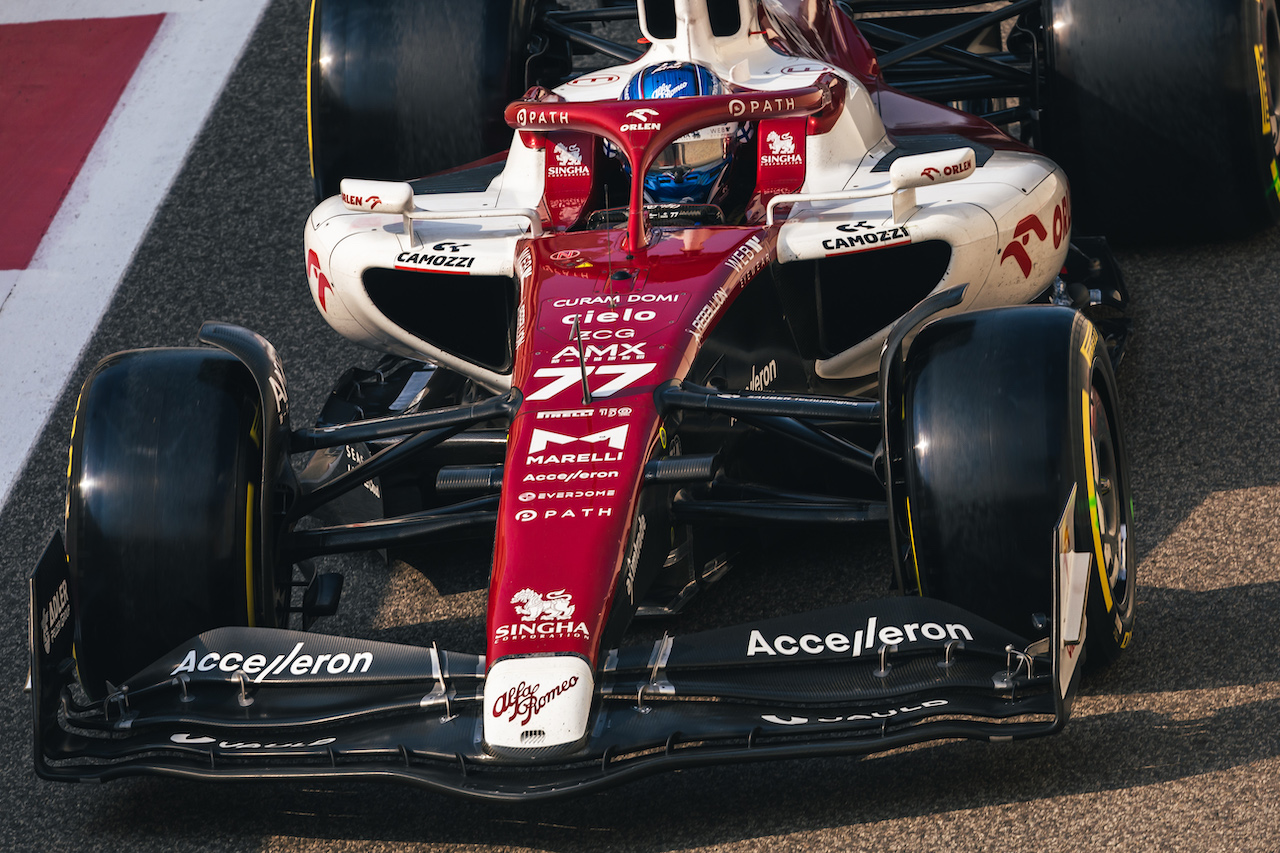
(398, 89)
(1164, 114)
(162, 525)
(1007, 411)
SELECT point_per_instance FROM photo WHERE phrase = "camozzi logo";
(542, 616)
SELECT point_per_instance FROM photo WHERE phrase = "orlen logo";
(322, 283)
(958, 168)
(643, 120)
(371, 202)
(930, 173)
(1031, 226)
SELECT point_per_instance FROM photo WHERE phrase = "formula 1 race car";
(735, 282)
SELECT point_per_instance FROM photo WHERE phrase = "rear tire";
(1164, 114)
(1006, 411)
(163, 508)
(403, 88)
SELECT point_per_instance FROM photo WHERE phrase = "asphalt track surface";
(1175, 747)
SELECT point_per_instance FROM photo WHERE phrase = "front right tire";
(1007, 412)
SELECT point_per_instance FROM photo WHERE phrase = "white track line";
(49, 311)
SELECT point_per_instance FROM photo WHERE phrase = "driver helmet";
(688, 171)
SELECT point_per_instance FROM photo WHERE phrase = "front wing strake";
(255, 703)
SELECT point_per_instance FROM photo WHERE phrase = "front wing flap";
(253, 703)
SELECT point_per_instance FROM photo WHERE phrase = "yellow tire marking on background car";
(1264, 91)
(911, 536)
(1275, 178)
(311, 146)
(1093, 498)
(248, 553)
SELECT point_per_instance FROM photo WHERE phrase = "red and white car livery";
(608, 387)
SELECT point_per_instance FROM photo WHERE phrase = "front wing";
(248, 703)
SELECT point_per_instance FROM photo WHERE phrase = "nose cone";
(534, 704)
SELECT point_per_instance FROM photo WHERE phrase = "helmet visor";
(693, 153)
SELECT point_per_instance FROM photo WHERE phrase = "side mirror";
(936, 167)
(377, 196)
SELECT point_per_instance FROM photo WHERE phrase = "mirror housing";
(377, 196)
(936, 167)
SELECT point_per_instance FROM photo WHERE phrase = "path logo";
(532, 606)
(615, 438)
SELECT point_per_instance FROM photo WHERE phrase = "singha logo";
(568, 155)
(780, 143)
(533, 607)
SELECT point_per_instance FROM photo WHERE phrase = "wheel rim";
(1109, 507)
